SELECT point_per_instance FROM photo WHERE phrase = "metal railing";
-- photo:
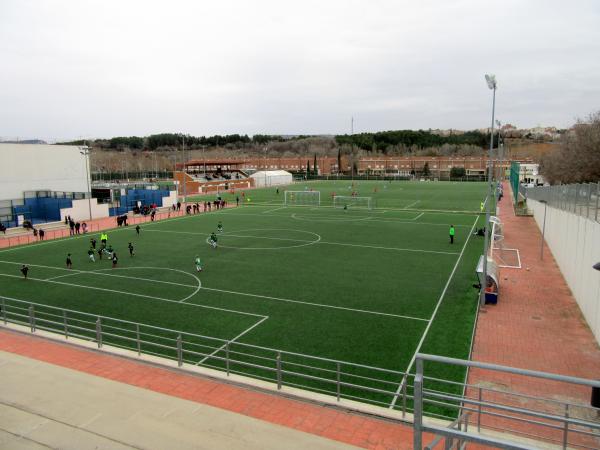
(581, 199)
(470, 407)
(340, 379)
(538, 418)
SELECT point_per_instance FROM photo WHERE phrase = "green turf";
(357, 285)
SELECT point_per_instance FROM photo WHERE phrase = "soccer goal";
(302, 198)
(506, 257)
(347, 201)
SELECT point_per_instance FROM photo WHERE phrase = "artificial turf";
(354, 285)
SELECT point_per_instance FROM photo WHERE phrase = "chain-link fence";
(581, 199)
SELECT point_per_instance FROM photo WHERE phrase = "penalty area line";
(437, 307)
(232, 340)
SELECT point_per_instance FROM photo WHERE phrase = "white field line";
(419, 216)
(359, 220)
(245, 294)
(232, 340)
(315, 304)
(412, 204)
(319, 242)
(437, 307)
(274, 209)
(168, 300)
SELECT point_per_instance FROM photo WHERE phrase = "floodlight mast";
(491, 82)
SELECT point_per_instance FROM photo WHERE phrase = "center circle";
(280, 238)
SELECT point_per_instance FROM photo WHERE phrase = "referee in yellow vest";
(452, 232)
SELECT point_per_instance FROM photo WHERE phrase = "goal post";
(302, 198)
(347, 201)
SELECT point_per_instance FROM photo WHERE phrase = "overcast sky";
(110, 68)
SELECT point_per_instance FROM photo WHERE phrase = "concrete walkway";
(206, 395)
(46, 406)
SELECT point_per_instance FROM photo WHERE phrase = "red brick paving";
(329, 423)
(536, 325)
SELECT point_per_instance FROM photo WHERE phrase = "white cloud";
(105, 68)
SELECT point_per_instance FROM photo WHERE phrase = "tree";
(307, 167)
(339, 160)
(457, 172)
(315, 168)
(426, 171)
(577, 158)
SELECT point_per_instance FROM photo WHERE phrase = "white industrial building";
(41, 167)
(264, 178)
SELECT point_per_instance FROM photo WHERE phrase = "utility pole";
(184, 171)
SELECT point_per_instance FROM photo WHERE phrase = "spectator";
(84, 227)
(42, 233)
(71, 226)
(2, 228)
(77, 227)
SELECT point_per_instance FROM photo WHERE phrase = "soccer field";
(363, 286)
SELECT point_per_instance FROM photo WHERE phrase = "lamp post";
(184, 170)
(265, 150)
(491, 82)
(543, 229)
(85, 151)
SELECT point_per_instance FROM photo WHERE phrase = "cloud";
(100, 69)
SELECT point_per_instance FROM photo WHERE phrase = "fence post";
(99, 332)
(66, 326)
(227, 358)
(278, 370)
(338, 377)
(479, 398)
(404, 396)
(589, 199)
(137, 339)
(179, 351)
(4, 311)
(418, 406)
(597, 198)
(32, 319)
(566, 428)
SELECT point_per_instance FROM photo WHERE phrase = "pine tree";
(339, 160)
(315, 168)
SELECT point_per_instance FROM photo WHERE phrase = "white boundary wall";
(40, 167)
(575, 244)
(80, 211)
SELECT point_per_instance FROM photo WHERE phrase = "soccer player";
(220, 227)
(93, 243)
(212, 240)
(109, 251)
(91, 255)
(114, 259)
(481, 206)
(130, 247)
(198, 263)
(452, 232)
(69, 262)
(137, 229)
(24, 270)
(100, 251)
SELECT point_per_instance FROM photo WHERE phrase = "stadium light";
(491, 82)
(85, 151)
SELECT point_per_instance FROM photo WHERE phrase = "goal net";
(347, 201)
(504, 256)
(302, 198)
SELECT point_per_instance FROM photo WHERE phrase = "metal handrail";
(565, 423)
